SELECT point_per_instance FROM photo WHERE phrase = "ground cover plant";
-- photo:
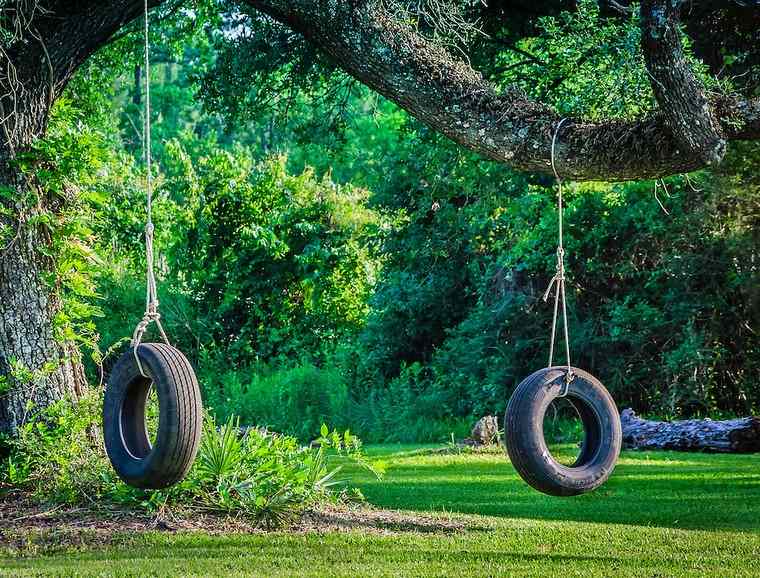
(265, 478)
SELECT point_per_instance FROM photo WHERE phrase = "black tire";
(524, 432)
(180, 420)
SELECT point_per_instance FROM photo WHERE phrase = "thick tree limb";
(365, 39)
(679, 93)
(700, 435)
(58, 36)
(75, 29)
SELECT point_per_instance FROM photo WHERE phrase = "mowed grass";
(662, 514)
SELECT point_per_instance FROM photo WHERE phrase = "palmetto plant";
(267, 477)
(221, 452)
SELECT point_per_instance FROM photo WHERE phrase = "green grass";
(662, 514)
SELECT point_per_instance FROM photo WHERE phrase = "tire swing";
(524, 418)
(151, 366)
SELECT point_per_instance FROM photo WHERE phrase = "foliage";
(267, 478)
(324, 258)
(303, 264)
(408, 410)
(55, 456)
(62, 166)
(588, 66)
(261, 66)
(304, 259)
(295, 400)
(654, 301)
(420, 310)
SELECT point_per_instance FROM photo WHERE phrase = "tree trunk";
(36, 369)
(694, 435)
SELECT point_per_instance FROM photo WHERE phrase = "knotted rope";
(151, 294)
(559, 276)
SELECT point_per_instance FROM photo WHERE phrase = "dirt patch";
(28, 528)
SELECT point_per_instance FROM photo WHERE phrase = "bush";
(267, 478)
(57, 456)
(408, 410)
(660, 305)
(275, 265)
(295, 401)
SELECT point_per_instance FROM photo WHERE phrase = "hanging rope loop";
(151, 293)
(557, 283)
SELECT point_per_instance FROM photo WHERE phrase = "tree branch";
(391, 57)
(679, 93)
(75, 29)
(365, 39)
(49, 42)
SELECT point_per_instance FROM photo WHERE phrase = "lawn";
(662, 514)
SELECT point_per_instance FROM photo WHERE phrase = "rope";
(151, 294)
(559, 276)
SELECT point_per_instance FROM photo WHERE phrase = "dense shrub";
(296, 401)
(278, 265)
(651, 295)
(255, 262)
(56, 456)
(408, 410)
(379, 277)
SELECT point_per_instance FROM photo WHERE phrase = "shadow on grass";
(690, 491)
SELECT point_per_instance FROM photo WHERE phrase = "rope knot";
(151, 316)
(569, 377)
(553, 280)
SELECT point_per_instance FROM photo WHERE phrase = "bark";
(679, 93)
(367, 41)
(37, 368)
(694, 435)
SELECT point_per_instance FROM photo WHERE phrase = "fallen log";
(694, 435)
